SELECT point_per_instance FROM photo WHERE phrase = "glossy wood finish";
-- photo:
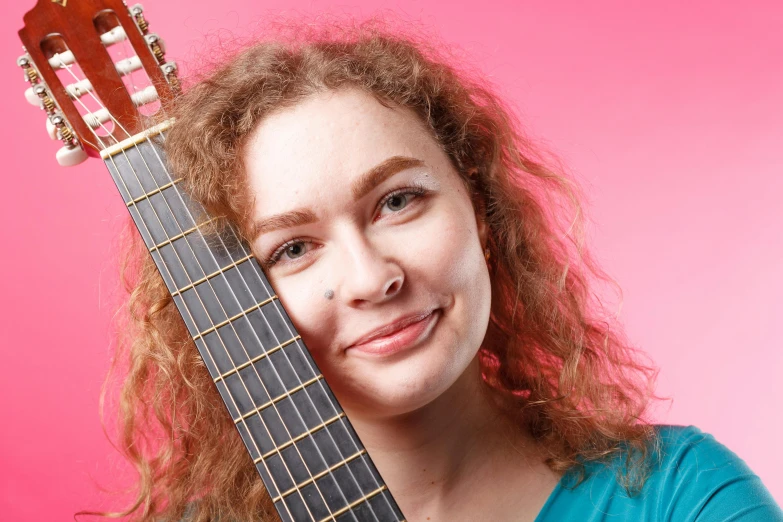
(75, 23)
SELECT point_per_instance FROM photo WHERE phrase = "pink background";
(670, 113)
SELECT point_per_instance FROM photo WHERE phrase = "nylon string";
(255, 370)
(116, 122)
(272, 365)
(277, 340)
(320, 383)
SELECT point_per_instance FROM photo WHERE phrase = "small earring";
(487, 254)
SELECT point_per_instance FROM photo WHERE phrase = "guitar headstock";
(96, 70)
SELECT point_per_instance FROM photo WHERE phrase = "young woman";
(431, 261)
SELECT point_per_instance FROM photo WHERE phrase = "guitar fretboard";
(309, 457)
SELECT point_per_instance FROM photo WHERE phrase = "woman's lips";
(401, 339)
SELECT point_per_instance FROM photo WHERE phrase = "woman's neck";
(458, 458)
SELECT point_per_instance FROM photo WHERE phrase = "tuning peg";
(51, 130)
(31, 97)
(68, 157)
(157, 45)
(30, 74)
(43, 99)
(170, 72)
(137, 11)
(62, 131)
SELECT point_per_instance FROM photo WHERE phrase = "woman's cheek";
(298, 294)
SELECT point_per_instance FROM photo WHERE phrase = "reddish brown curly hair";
(553, 358)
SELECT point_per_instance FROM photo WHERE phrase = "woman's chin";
(400, 393)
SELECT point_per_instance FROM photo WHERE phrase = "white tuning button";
(69, 157)
(51, 130)
(31, 97)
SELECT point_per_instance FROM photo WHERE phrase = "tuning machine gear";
(71, 153)
(137, 12)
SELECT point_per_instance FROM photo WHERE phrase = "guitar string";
(352, 437)
(275, 304)
(280, 314)
(255, 370)
(125, 51)
(287, 393)
(125, 45)
(284, 354)
(206, 311)
(258, 450)
(320, 383)
(265, 319)
(120, 178)
(293, 335)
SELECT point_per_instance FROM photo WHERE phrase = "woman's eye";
(295, 250)
(397, 201)
(290, 251)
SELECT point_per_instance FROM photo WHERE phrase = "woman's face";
(373, 246)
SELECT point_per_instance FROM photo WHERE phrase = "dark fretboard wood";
(309, 457)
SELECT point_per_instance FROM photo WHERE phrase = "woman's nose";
(370, 275)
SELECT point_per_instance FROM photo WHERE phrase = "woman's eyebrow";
(361, 187)
(379, 173)
(294, 218)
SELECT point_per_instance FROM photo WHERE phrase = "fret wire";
(180, 235)
(243, 346)
(187, 309)
(275, 369)
(152, 193)
(309, 398)
(309, 363)
(235, 264)
(272, 402)
(301, 437)
(159, 128)
(242, 246)
(355, 503)
(230, 320)
(255, 359)
(388, 503)
(119, 177)
(155, 130)
(236, 406)
(325, 472)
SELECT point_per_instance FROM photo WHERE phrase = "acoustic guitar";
(99, 103)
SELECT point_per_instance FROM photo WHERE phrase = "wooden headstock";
(75, 36)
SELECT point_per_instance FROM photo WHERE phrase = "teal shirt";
(697, 479)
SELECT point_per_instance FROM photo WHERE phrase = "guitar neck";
(309, 457)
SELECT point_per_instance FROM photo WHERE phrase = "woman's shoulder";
(694, 478)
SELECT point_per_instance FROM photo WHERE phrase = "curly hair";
(553, 358)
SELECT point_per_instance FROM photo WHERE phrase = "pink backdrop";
(669, 113)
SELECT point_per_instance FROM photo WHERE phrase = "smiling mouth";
(399, 337)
